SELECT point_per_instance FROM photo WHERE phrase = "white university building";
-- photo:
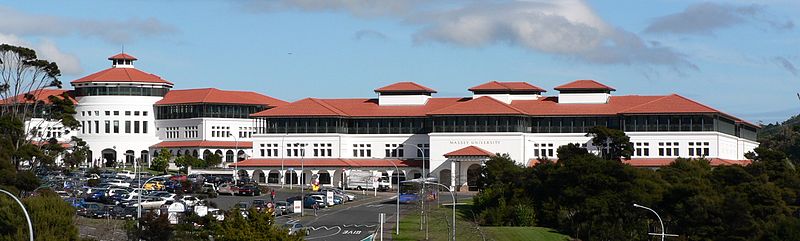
(127, 114)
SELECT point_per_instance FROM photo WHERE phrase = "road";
(356, 220)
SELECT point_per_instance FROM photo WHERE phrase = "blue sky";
(741, 57)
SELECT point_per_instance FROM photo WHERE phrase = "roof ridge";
(328, 106)
(503, 103)
(208, 93)
(645, 103)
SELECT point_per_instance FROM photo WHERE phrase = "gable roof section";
(507, 86)
(213, 95)
(470, 151)
(122, 56)
(481, 106)
(304, 107)
(41, 94)
(122, 75)
(405, 87)
(670, 104)
(584, 85)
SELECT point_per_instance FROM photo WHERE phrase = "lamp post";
(662, 234)
(235, 160)
(425, 179)
(27, 217)
(452, 195)
(139, 197)
(302, 176)
(397, 212)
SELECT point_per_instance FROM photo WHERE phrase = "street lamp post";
(27, 217)
(397, 212)
(235, 159)
(662, 234)
(425, 179)
(302, 176)
(452, 195)
(139, 197)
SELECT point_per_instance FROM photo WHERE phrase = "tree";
(22, 75)
(614, 144)
(256, 226)
(213, 160)
(77, 153)
(161, 162)
(52, 218)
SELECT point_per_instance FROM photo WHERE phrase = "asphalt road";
(356, 220)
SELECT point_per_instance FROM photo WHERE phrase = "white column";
(250, 173)
(282, 179)
(299, 175)
(453, 175)
(390, 177)
(333, 178)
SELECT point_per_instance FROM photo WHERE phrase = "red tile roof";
(122, 56)
(122, 75)
(507, 86)
(41, 94)
(327, 162)
(548, 106)
(584, 85)
(470, 151)
(355, 108)
(400, 87)
(481, 106)
(219, 144)
(213, 95)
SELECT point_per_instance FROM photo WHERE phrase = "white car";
(152, 202)
(167, 196)
(127, 174)
(119, 183)
(190, 201)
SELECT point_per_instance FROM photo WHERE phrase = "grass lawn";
(439, 228)
(523, 233)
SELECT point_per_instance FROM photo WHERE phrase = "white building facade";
(455, 135)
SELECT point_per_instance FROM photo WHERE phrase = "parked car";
(154, 185)
(190, 200)
(249, 190)
(89, 207)
(293, 228)
(259, 204)
(320, 200)
(283, 207)
(151, 202)
(227, 189)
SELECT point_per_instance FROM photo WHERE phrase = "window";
(394, 150)
(698, 149)
(97, 126)
(426, 148)
(108, 126)
(295, 150)
(136, 127)
(90, 126)
(144, 113)
(127, 126)
(323, 149)
(108, 113)
(116, 112)
(270, 150)
(127, 112)
(83, 127)
(642, 149)
(136, 113)
(543, 150)
(97, 113)
(90, 113)
(144, 127)
(116, 126)
(362, 150)
(668, 149)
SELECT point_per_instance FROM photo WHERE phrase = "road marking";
(374, 205)
(326, 228)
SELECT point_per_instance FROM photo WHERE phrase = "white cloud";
(568, 28)
(369, 34)
(705, 18)
(113, 31)
(46, 49)
(565, 29)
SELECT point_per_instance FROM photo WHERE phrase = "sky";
(741, 57)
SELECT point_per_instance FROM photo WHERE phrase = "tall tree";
(613, 144)
(22, 75)
(161, 162)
